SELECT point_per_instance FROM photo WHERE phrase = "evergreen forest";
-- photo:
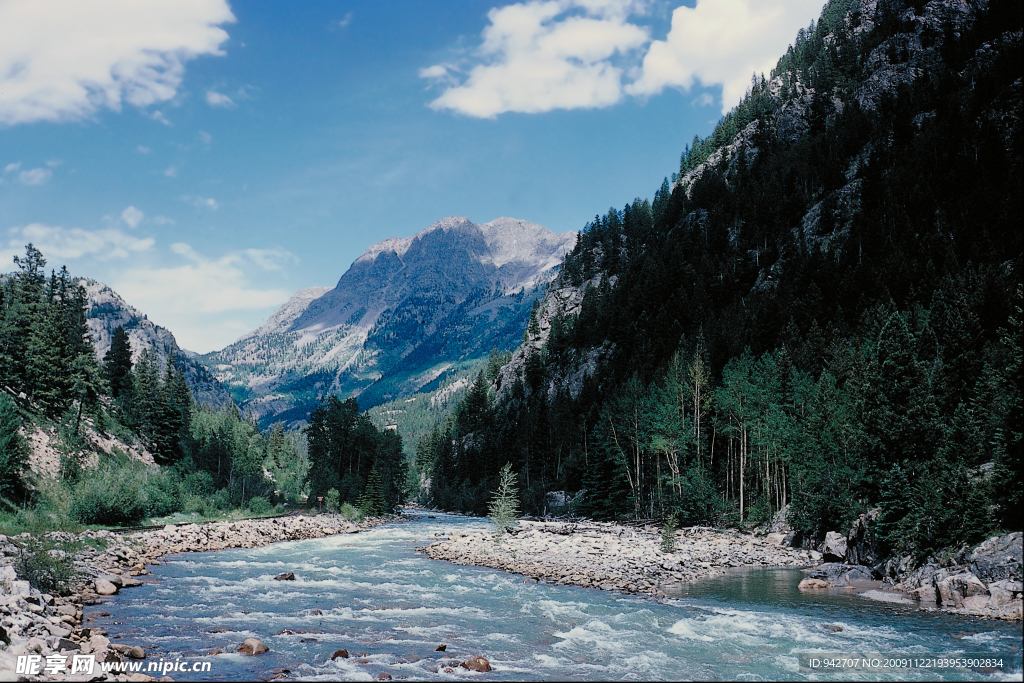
(212, 461)
(820, 312)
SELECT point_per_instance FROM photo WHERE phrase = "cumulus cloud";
(132, 216)
(206, 302)
(66, 59)
(35, 176)
(542, 55)
(57, 242)
(11, 167)
(216, 99)
(723, 41)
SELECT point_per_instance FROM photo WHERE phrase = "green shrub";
(198, 484)
(162, 493)
(351, 513)
(109, 495)
(46, 558)
(258, 505)
(332, 500)
(279, 509)
(668, 535)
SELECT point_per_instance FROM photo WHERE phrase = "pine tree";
(13, 448)
(504, 507)
(117, 365)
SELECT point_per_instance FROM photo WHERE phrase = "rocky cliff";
(107, 311)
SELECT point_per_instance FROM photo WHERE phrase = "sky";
(207, 159)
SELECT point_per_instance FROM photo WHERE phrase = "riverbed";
(390, 607)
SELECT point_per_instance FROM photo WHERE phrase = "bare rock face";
(251, 646)
(999, 558)
(456, 287)
(834, 547)
(107, 311)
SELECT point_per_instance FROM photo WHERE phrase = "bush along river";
(390, 608)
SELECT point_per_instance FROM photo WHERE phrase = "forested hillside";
(112, 421)
(822, 309)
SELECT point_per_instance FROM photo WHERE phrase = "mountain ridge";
(407, 311)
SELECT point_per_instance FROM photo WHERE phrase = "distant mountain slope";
(408, 313)
(108, 311)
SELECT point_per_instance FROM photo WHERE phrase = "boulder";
(998, 558)
(860, 546)
(251, 646)
(834, 547)
(441, 648)
(104, 587)
(476, 663)
(1003, 592)
(136, 652)
(342, 653)
(953, 590)
(839, 574)
(287, 576)
(926, 595)
(812, 584)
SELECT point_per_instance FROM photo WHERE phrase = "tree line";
(762, 340)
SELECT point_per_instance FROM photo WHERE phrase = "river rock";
(476, 663)
(287, 576)
(104, 587)
(441, 648)
(342, 653)
(136, 652)
(251, 646)
(812, 584)
(834, 547)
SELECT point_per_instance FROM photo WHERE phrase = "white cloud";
(171, 172)
(59, 243)
(346, 21)
(11, 167)
(545, 54)
(142, 149)
(206, 302)
(132, 216)
(205, 137)
(200, 202)
(271, 259)
(163, 220)
(159, 117)
(66, 59)
(216, 99)
(723, 41)
(35, 176)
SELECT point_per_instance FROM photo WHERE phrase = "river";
(390, 606)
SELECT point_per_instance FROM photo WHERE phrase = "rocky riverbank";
(36, 623)
(615, 557)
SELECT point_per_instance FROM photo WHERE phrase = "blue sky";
(208, 159)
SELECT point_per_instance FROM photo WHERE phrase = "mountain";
(107, 311)
(407, 314)
(820, 313)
